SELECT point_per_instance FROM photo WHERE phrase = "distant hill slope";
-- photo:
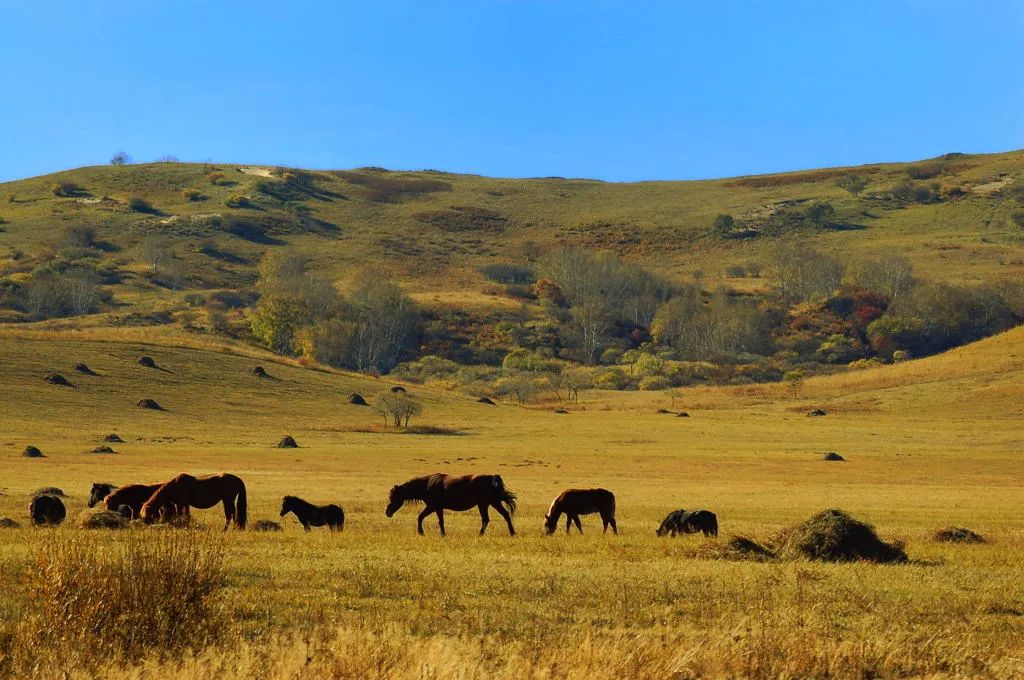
(433, 230)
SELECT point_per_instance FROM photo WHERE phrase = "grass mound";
(832, 456)
(486, 400)
(58, 379)
(816, 412)
(32, 452)
(103, 449)
(834, 536)
(265, 525)
(8, 523)
(260, 372)
(82, 368)
(288, 442)
(113, 439)
(958, 535)
(102, 519)
(738, 548)
(49, 491)
(357, 399)
(148, 362)
(150, 404)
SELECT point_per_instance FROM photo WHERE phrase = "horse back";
(586, 501)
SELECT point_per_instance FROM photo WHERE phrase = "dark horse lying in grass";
(128, 500)
(442, 492)
(576, 502)
(199, 492)
(309, 515)
(683, 522)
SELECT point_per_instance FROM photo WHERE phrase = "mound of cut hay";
(147, 362)
(49, 491)
(102, 519)
(397, 389)
(958, 535)
(288, 442)
(260, 372)
(32, 452)
(739, 548)
(486, 400)
(834, 536)
(561, 410)
(113, 439)
(682, 414)
(103, 449)
(8, 523)
(816, 412)
(58, 379)
(265, 525)
(357, 399)
(150, 404)
(832, 455)
(82, 368)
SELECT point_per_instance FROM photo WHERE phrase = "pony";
(99, 492)
(46, 509)
(442, 492)
(314, 515)
(576, 502)
(683, 522)
(199, 492)
(128, 500)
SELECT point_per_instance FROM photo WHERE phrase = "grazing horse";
(128, 500)
(576, 502)
(309, 515)
(99, 492)
(683, 522)
(442, 492)
(45, 509)
(199, 492)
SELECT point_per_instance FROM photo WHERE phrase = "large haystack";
(834, 536)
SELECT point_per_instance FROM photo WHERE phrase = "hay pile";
(49, 491)
(32, 452)
(834, 536)
(150, 404)
(486, 400)
(816, 412)
(357, 399)
(288, 442)
(113, 439)
(737, 548)
(260, 372)
(682, 414)
(265, 525)
(958, 535)
(147, 362)
(58, 379)
(8, 523)
(102, 519)
(832, 456)
(397, 389)
(82, 368)
(103, 449)
(561, 410)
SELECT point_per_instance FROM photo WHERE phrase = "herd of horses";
(172, 501)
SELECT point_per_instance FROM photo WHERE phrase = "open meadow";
(928, 444)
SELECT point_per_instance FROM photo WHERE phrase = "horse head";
(287, 505)
(396, 499)
(549, 524)
(99, 492)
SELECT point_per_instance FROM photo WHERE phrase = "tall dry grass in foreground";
(97, 602)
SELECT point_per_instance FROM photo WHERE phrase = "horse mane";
(300, 502)
(414, 490)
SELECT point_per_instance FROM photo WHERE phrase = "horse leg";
(422, 516)
(576, 521)
(305, 525)
(440, 520)
(615, 529)
(568, 523)
(229, 513)
(485, 518)
(508, 518)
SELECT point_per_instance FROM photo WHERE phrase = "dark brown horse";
(442, 492)
(576, 502)
(199, 492)
(683, 522)
(309, 515)
(128, 500)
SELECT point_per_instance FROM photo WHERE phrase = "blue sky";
(611, 90)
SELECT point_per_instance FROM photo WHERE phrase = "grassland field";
(928, 444)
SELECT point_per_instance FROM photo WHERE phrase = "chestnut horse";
(199, 492)
(576, 502)
(128, 500)
(442, 492)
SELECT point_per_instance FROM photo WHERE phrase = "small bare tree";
(155, 251)
(120, 158)
(397, 407)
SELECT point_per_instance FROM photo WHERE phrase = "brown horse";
(128, 500)
(442, 492)
(199, 492)
(576, 502)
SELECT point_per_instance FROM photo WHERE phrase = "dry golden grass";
(928, 444)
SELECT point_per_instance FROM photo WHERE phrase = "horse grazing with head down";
(442, 492)
(309, 515)
(199, 492)
(683, 522)
(128, 500)
(575, 502)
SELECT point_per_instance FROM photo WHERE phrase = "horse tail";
(241, 512)
(504, 495)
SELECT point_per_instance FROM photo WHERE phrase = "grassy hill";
(432, 230)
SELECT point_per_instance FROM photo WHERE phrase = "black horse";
(48, 510)
(100, 491)
(683, 522)
(310, 515)
(442, 492)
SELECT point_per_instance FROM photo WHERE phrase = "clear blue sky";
(613, 90)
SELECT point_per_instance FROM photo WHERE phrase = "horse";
(309, 515)
(46, 509)
(683, 522)
(100, 491)
(576, 502)
(199, 492)
(128, 500)
(442, 492)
